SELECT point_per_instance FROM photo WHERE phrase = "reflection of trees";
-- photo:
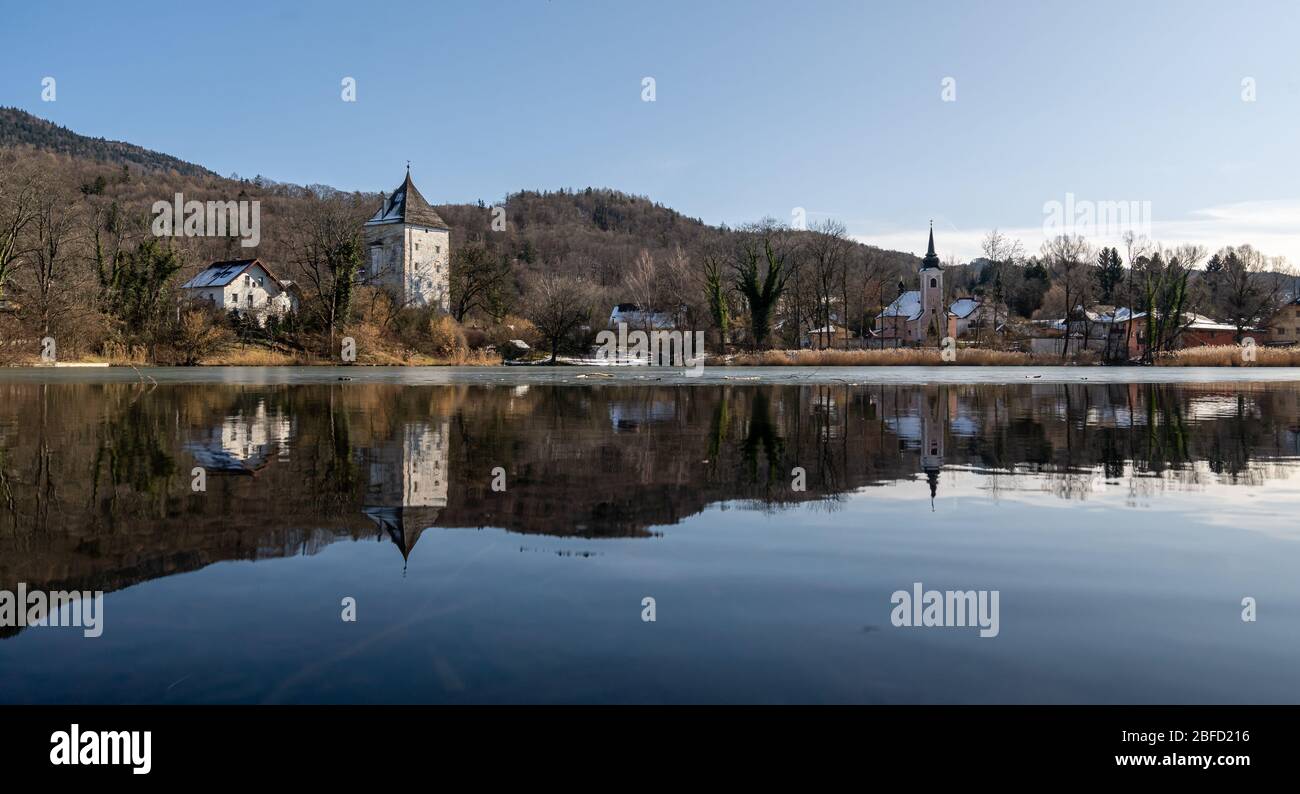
(94, 479)
(762, 434)
(133, 453)
(1164, 445)
(339, 470)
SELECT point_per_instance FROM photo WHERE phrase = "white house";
(636, 317)
(243, 284)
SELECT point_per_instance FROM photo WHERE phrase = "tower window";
(934, 282)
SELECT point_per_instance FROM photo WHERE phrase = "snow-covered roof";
(221, 274)
(1202, 323)
(1190, 320)
(631, 314)
(906, 305)
(964, 307)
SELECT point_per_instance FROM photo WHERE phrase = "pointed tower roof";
(404, 525)
(406, 205)
(931, 261)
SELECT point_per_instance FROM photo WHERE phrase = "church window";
(934, 282)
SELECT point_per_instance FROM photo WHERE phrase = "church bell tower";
(933, 322)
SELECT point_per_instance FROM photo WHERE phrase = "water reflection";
(408, 482)
(96, 492)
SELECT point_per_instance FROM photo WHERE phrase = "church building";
(920, 316)
(409, 249)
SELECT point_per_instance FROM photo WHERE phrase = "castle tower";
(933, 323)
(408, 249)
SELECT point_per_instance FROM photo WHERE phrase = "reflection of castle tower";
(933, 412)
(408, 482)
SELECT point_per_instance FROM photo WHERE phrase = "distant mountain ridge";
(20, 128)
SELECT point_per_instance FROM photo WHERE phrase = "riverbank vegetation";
(538, 273)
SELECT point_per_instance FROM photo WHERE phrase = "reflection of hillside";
(95, 479)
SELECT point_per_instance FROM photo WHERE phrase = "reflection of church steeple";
(934, 421)
(408, 483)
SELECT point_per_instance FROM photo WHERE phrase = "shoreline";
(515, 375)
(1214, 357)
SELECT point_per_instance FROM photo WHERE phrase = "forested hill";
(594, 232)
(20, 128)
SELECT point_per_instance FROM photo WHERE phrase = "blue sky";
(760, 107)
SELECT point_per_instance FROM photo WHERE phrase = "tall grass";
(119, 354)
(899, 357)
(1230, 356)
(254, 356)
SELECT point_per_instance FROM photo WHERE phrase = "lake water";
(500, 531)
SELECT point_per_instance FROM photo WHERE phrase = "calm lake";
(499, 534)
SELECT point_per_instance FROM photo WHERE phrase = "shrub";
(446, 337)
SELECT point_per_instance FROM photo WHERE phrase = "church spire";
(931, 261)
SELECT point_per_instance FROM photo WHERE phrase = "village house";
(244, 285)
(1119, 333)
(828, 337)
(409, 249)
(1284, 327)
(634, 316)
(920, 316)
(1195, 330)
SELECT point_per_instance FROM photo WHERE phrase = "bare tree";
(1069, 259)
(827, 262)
(558, 306)
(1003, 254)
(476, 275)
(643, 285)
(326, 253)
(1248, 293)
(677, 289)
(1135, 250)
(19, 194)
(51, 258)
